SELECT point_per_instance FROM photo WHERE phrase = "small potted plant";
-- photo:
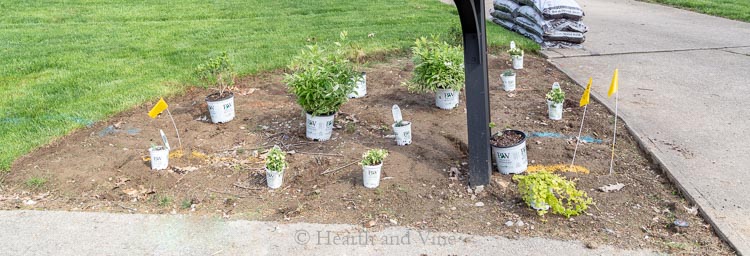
(439, 68)
(509, 80)
(544, 191)
(401, 128)
(356, 54)
(516, 56)
(372, 164)
(219, 72)
(321, 79)
(509, 151)
(555, 99)
(159, 157)
(275, 165)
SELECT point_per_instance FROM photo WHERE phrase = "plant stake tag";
(397, 114)
(556, 85)
(513, 44)
(164, 139)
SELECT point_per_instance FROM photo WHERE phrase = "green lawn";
(731, 9)
(68, 64)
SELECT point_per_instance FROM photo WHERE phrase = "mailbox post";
(471, 13)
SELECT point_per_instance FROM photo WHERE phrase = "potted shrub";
(219, 72)
(275, 165)
(372, 164)
(509, 151)
(555, 99)
(545, 191)
(356, 54)
(439, 68)
(159, 157)
(516, 56)
(509, 80)
(401, 128)
(321, 79)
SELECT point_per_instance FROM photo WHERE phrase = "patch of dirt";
(219, 170)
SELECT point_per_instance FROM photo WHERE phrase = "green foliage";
(353, 50)
(165, 201)
(276, 159)
(401, 123)
(374, 157)
(217, 71)
(437, 65)
(509, 72)
(35, 182)
(561, 195)
(455, 35)
(731, 9)
(321, 78)
(556, 95)
(515, 51)
(186, 204)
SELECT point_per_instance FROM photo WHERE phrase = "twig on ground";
(127, 208)
(339, 168)
(318, 154)
(226, 193)
(245, 187)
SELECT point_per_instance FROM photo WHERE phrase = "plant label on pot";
(396, 111)
(555, 85)
(512, 44)
(274, 179)
(221, 110)
(319, 128)
(446, 98)
(164, 139)
(371, 175)
(159, 157)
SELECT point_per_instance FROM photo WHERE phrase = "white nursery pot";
(509, 82)
(511, 159)
(555, 110)
(159, 157)
(517, 61)
(403, 133)
(446, 98)
(221, 111)
(274, 178)
(360, 89)
(319, 127)
(371, 175)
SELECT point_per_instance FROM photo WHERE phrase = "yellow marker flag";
(613, 86)
(586, 93)
(158, 108)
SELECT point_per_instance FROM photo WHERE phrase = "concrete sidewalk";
(77, 233)
(683, 81)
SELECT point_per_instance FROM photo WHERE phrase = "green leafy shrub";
(218, 71)
(374, 157)
(437, 65)
(321, 79)
(36, 182)
(509, 72)
(556, 96)
(542, 187)
(276, 159)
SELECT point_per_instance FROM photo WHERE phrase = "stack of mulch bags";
(551, 23)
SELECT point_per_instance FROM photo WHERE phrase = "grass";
(730, 9)
(68, 64)
(35, 182)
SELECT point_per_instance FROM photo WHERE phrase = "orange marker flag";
(586, 93)
(613, 86)
(158, 108)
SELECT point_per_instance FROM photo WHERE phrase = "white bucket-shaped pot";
(509, 82)
(371, 175)
(403, 133)
(555, 110)
(511, 159)
(517, 61)
(319, 127)
(360, 89)
(274, 178)
(222, 110)
(159, 157)
(446, 98)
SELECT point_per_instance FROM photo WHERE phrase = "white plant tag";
(164, 139)
(556, 85)
(513, 44)
(397, 114)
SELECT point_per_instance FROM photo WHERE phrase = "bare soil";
(219, 170)
(506, 138)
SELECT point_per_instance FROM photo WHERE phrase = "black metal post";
(471, 13)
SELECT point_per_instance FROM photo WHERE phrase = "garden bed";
(105, 167)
